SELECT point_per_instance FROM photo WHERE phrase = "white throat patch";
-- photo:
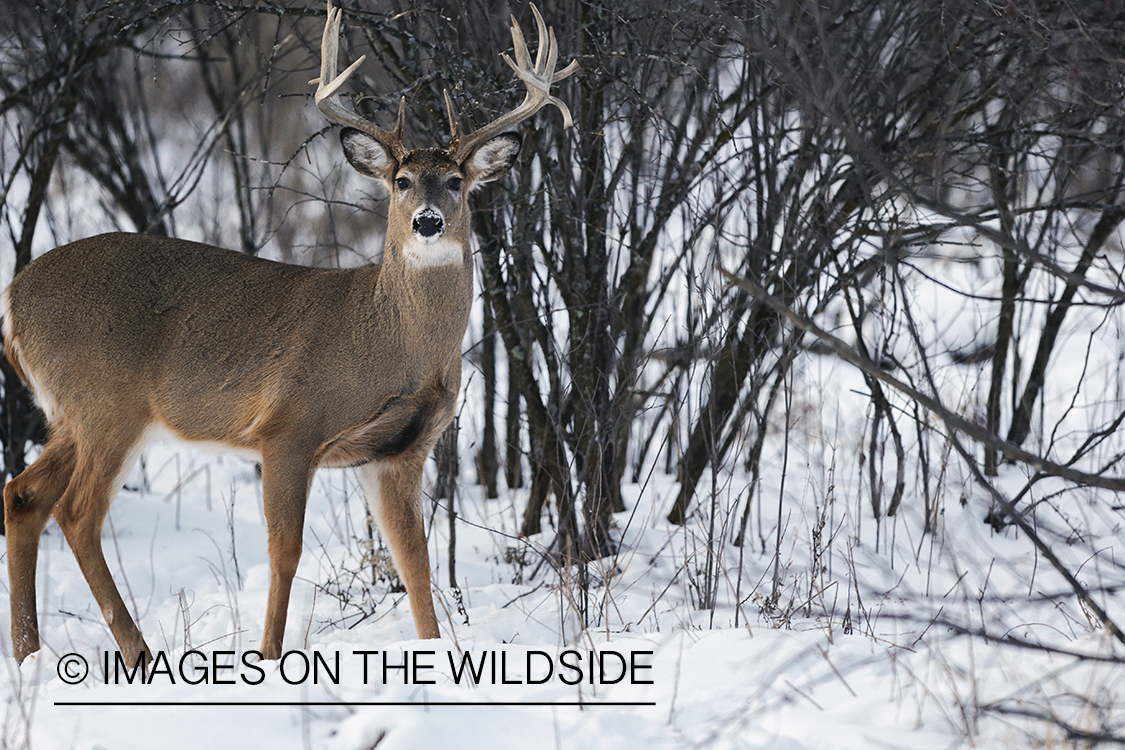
(440, 253)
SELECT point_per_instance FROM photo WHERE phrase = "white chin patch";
(442, 252)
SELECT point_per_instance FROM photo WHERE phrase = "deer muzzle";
(428, 224)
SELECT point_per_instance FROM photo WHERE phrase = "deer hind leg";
(393, 489)
(285, 490)
(28, 501)
(103, 458)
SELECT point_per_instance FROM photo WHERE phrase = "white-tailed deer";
(122, 336)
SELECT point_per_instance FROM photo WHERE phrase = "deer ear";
(369, 157)
(493, 158)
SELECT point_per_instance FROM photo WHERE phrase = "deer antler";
(329, 83)
(537, 79)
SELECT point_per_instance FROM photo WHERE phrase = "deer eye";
(454, 184)
(403, 183)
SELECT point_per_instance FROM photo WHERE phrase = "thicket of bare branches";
(826, 153)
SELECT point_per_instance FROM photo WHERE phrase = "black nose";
(428, 224)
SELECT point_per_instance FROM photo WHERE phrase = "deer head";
(428, 217)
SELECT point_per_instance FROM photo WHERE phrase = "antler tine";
(329, 84)
(537, 78)
(454, 128)
(552, 46)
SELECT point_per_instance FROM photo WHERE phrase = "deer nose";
(428, 224)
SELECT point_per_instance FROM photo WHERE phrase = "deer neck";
(429, 288)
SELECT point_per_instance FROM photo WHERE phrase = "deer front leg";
(80, 513)
(286, 474)
(393, 489)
